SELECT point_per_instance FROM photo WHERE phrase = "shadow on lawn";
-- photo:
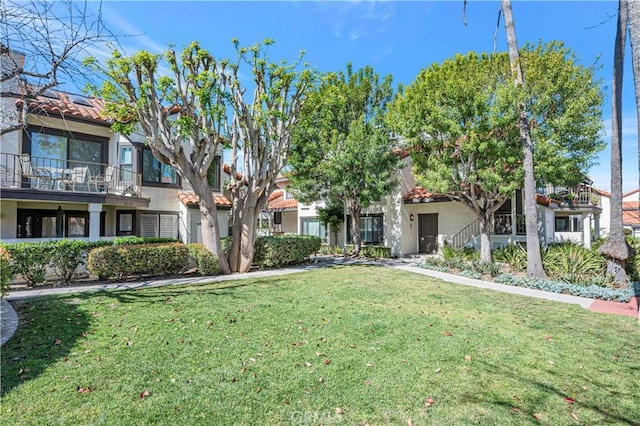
(161, 294)
(48, 329)
(607, 409)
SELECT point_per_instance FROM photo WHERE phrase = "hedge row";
(134, 256)
(31, 261)
(122, 261)
(281, 250)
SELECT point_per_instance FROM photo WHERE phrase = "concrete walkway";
(9, 319)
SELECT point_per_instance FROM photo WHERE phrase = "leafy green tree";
(342, 148)
(332, 215)
(461, 120)
(187, 115)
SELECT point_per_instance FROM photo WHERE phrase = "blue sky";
(397, 38)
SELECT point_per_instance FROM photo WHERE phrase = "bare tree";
(42, 44)
(186, 117)
(534, 258)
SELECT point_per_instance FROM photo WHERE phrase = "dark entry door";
(428, 233)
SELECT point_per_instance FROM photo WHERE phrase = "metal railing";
(580, 195)
(23, 171)
(503, 224)
(467, 233)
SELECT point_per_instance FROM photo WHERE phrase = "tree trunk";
(534, 258)
(615, 247)
(209, 228)
(355, 211)
(485, 237)
(243, 233)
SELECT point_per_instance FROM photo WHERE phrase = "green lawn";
(349, 345)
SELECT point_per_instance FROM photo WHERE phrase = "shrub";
(143, 240)
(6, 270)
(485, 268)
(376, 252)
(572, 262)
(30, 260)
(122, 261)
(65, 258)
(592, 291)
(451, 253)
(513, 255)
(280, 250)
(206, 262)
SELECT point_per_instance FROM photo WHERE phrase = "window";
(44, 224)
(126, 164)
(568, 224)
(155, 172)
(213, 175)
(371, 229)
(125, 224)
(277, 218)
(159, 225)
(313, 226)
(54, 148)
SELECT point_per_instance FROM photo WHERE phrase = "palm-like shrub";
(573, 263)
(513, 255)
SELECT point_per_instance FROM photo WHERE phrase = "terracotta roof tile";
(634, 191)
(630, 213)
(546, 201)
(190, 199)
(64, 106)
(419, 193)
(275, 195)
(284, 205)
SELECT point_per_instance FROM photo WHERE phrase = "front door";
(428, 233)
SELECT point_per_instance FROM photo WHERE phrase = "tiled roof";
(287, 204)
(64, 106)
(419, 193)
(630, 213)
(546, 201)
(635, 191)
(190, 199)
(275, 195)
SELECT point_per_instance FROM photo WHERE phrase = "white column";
(94, 221)
(586, 230)
(596, 225)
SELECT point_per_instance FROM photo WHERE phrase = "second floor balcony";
(23, 172)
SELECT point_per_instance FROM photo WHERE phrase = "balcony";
(47, 176)
(583, 195)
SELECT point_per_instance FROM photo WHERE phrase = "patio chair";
(75, 177)
(101, 182)
(41, 176)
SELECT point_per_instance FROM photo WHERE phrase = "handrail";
(467, 233)
(24, 171)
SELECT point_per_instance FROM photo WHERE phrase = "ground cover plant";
(344, 345)
(571, 269)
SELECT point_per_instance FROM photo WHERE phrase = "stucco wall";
(452, 218)
(290, 222)
(8, 220)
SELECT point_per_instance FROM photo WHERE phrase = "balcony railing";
(581, 195)
(503, 224)
(23, 171)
